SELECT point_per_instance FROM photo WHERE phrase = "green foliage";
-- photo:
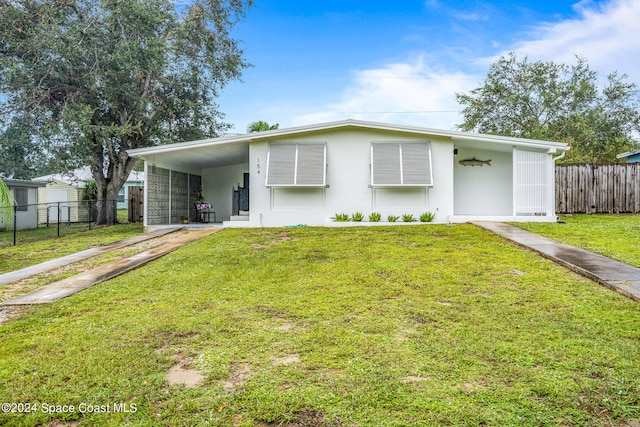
(408, 218)
(557, 102)
(100, 78)
(6, 203)
(392, 218)
(375, 217)
(90, 191)
(20, 156)
(357, 217)
(427, 217)
(341, 217)
(261, 126)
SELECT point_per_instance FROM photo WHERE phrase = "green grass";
(41, 249)
(614, 236)
(384, 326)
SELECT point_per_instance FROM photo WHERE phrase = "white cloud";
(419, 93)
(402, 93)
(606, 35)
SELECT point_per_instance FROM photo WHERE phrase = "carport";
(181, 175)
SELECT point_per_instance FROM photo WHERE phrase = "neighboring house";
(631, 156)
(136, 179)
(68, 189)
(25, 194)
(307, 174)
(62, 196)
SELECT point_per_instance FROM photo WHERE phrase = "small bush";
(357, 217)
(341, 217)
(375, 217)
(392, 218)
(408, 218)
(427, 217)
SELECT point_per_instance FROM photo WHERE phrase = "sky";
(403, 61)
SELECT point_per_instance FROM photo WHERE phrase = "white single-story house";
(68, 189)
(308, 174)
(25, 194)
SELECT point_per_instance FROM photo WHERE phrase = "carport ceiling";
(203, 157)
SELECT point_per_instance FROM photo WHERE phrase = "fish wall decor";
(475, 162)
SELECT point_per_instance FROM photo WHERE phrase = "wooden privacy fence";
(584, 188)
(136, 203)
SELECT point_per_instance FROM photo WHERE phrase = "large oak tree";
(557, 102)
(99, 77)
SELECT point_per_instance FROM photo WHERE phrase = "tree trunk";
(118, 171)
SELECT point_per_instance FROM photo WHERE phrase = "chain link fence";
(32, 222)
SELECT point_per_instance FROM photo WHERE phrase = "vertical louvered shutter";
(387, 168)
(401, 163)
(296, 165)
(281, 164)
(311, 165)
(530, 182)
(416, 164)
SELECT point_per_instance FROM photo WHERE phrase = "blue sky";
(402, 62)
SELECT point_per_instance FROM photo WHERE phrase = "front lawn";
(380, 326)
(38, 250)
(614, 236)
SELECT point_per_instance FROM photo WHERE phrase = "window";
(121, 195)
(22, 199)
(296, 165)
(401, 164)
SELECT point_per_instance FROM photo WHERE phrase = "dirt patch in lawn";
(414, 379)
(286, 326)
(306, 419)
(286, 360)
(181, 374)
(283, 236)
(239, 373)
(8, 313)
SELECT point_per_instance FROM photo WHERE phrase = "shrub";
(374, 217)
(392, 218)
(341, 217)
(357, 217)
(408, 218)
(427, 217)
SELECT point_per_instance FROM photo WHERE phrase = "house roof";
(234, 148)
(627, 154)
(22, 183)
(78, 177)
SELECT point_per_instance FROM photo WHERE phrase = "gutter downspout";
(560, 156)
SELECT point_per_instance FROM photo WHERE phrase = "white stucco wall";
(217, 186)
(348, 182)
(483, 190)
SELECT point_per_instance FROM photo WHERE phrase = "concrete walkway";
(618, 276)
(23, 273)
(71, 285)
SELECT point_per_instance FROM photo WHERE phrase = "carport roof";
(235, 148)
